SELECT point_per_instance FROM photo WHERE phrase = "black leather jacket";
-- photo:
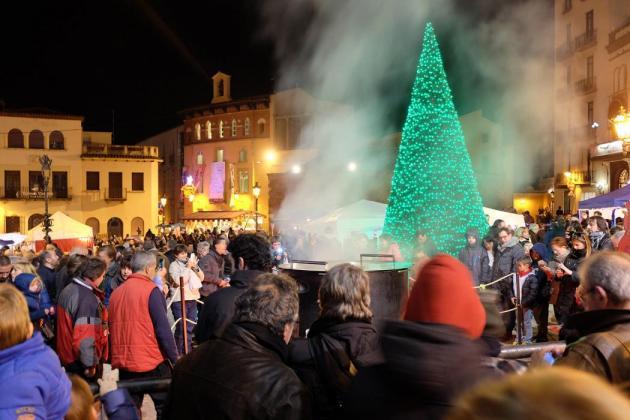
(241, 375)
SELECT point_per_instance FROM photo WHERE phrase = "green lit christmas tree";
(434, 187)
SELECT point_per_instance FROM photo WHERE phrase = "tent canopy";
(615, 198)
(64, 227)
(363, 216)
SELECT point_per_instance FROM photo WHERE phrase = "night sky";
(142, 61)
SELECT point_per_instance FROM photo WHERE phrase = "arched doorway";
(35, 220)
(94, 224)
(114, 227)
(137, 226)
(619, 174)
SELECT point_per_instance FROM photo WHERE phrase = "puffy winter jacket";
(32, 382)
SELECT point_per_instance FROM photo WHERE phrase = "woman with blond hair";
(543, 394)
(340, 342)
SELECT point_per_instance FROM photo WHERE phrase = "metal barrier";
(522, 352)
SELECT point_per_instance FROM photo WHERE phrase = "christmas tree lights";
(433, 187)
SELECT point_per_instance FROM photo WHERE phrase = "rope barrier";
(509, 310)
(483, 286)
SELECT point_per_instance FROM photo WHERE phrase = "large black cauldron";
(388, 287)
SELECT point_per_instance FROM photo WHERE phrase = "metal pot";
(388, 286)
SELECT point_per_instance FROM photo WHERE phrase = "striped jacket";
(82, 327)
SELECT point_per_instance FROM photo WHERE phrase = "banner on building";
(217, 181)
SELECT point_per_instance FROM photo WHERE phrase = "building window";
(219, 155)
(92, 181)
(221, 133)
(36, 140)
(55, 140)
(35, 220)
(567, 6)
(209, 130)
(16, 139)
(261, 126)
(590, 113)
(242, 155)
(12, 184)
(12, 223)
(35, 181)
(590, 26)
(243, 181)
(137, 181)
(233, 128)
(188, 135)
(589, 68)
(197, 131)
(60, 184)
(247, 126)
(94, 224)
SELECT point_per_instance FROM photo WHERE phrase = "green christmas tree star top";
(434, 188)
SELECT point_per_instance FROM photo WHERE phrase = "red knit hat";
(444, 294)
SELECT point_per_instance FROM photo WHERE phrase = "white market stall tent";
(363, 216)
(512, 219)
(65, 232)
(368, 217)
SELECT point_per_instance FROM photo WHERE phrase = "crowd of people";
(213, 313)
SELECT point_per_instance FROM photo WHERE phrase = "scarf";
(596, 238)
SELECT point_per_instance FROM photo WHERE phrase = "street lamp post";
(46, 163)
(256, 192)
(163, 201)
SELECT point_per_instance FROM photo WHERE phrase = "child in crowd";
(32, 381)
(31, 287)
(529, 294)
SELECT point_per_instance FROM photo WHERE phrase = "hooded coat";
(329, 359)
(470, 256)
(33, 299)
(430, 358)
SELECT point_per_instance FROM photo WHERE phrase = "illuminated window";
(261, 126)
(197, 131)
(233, 128)
(219, 155)
(221, 133)
(242, 155)
(243, 181)
(247, 126)
(623, 178)
(208, 130)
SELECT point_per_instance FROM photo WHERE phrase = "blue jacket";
(36, 301)
(32, 381)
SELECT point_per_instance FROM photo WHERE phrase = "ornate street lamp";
(256, 192)
(622, 127)
(46, 163)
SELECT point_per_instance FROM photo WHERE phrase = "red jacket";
(82, 330)
(134, 344)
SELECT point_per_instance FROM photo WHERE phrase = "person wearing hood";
(540, 256)
(252, 257)
(431, 356)
(566, 275)
(31, 287)
(341, 342)
(508, 253)
(470, 255)
(600, 239)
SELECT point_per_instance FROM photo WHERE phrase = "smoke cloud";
(363, 54)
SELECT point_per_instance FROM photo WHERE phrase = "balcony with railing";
(619, 37)
(115, 194)
(564, 51)
(586, 40)
(97, 150)
(585, 86)
(25, 193)
(576, 178)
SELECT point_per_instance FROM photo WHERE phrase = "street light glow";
(352, 166)
(296, 169)
(270, 156)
